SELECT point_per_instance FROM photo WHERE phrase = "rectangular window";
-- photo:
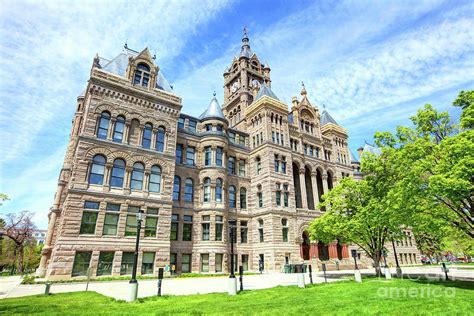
(190, 156)
(242, 140)
(188, 228)
(242, 168)
(285, 199)
(273, 137)
(245, 262)
(316, 149)
(110, 224)
(219, 226)
(205, 262)
(148, 261)
(82, 260)
(150, 226)
(186, 263)
(305, 149)
(179, 153)
(131, 225)
(106, 259)
(311, 151)
(88, 222)
(208, 127)
(126, 266)
(232, 137)
(207, 156)
(231, 165)
(260, 199)
(174, 227)
(173, 260)
(206, 226)
(285, 234)
(283, 164)
(113, 207)
(278, 198)
(192, 125)
(219, 257)
(277, 138)
(276, 163)
(243, 232)
(219, 152)
(282, 140)
(181, 122)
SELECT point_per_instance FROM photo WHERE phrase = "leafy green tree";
(3, 197)
(465, 100)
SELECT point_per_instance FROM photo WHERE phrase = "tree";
(19, 229)
(3, 197)
(361, 212)
(465, 100)
(435, 165)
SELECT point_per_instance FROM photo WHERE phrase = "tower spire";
(245, 50)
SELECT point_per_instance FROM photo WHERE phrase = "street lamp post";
(399, 270)
(232, 279)
(133, 281)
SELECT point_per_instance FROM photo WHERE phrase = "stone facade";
(253, 163)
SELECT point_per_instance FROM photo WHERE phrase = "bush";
(28, 279)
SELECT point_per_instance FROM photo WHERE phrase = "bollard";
(357, 276)
(160, 280)
(310, 274)
(388, 274)
(445, 270)
(47, 288)
(241, 277)
(300, 275)
(324, 270)
(337, 265)
(88, 278)
(399, 273)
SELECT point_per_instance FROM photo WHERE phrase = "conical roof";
(213, 111)
(326, 118)
(353, 157)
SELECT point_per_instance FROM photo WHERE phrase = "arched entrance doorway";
(323, 251)
(305, 246)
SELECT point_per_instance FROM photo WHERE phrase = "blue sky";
(372, 63)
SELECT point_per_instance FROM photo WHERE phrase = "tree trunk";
(378, 271)
(20, 258)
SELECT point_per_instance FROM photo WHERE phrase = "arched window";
(189, 190)
(118, 130)
(103, 125)
(155, 179)
(232, 196)
(258, 163)
(207, 190)
(147, 132)
(142, 75)
(118, 172)
(176, 188)
(243, 198)
(218, 190)
(160, 139)
(96, 175)
(137, 176)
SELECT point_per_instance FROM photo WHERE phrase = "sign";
(354, 253)
(167, 268)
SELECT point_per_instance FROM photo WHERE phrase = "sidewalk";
(8, 284)
(180, 286)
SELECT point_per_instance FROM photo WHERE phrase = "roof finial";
(245, 39)
(125, 46)
(214, 94)
(324, 106)
(303, 89)
(154, 55)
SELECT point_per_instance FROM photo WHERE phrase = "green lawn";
(342, 298)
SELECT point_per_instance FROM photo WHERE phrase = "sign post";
(160, 280)
(357, 275)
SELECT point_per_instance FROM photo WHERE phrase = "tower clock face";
(234, 86)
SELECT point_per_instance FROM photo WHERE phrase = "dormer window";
(142, 75)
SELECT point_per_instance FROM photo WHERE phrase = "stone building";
(256, 163)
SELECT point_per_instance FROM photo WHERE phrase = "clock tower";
(242, 81)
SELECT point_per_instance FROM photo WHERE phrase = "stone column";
(315, 189)
(126, 132)
(153, 138)
(140, 135)
(304, 199)
(107, 174)
(213, 155)
(110, 131)
(128, 173)
(146, 181)
(324, 177)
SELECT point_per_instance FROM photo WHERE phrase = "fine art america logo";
(419, 292)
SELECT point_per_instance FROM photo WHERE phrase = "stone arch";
(91, 152)
(309, 187)
(119, 154)
(105, 107)
(297, 184)
(330, 178)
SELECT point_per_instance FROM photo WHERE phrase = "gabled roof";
(326, 118)
(119, 64)
(213, 111)
(265, 90)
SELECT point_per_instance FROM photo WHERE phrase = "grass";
(395, 297)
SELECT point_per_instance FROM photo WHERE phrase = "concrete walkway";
(178, 286)
(10, 286)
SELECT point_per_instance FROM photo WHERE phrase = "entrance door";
(261, 262)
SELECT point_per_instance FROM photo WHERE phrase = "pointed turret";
(213, 111)
(265, 90)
